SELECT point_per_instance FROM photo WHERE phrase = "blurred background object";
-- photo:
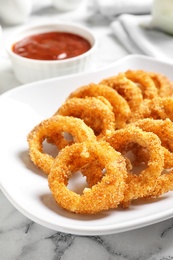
(66, 5)
(14, 12)
(113, 8)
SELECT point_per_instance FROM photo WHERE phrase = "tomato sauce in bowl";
(50, 50)
(51, 46)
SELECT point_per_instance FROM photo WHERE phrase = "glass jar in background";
(162, 15)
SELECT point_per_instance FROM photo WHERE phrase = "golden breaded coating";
(142, 184)
(125, 87)
(56, 125)
(93, 111)
(104, 195)
(120, 106)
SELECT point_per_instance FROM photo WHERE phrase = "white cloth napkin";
(112, 8)
(138, 37)
(131, 23)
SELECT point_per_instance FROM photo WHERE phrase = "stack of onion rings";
(131, 112)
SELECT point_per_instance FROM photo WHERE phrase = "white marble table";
(21, 238)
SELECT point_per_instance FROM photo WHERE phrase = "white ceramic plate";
(27, 188)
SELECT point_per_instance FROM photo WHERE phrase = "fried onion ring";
(144, 82)
(163, 84)
(56, 125)
(126, 88)
(164, 130)
(143, 184)
(105, 194)
(156, 108)
(164, 185)
(120, 106)
(93, 112)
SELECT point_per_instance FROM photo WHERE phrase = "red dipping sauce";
(51, 46)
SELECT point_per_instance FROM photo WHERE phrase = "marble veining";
(23, 239)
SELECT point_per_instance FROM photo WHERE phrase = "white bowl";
(28, 70)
